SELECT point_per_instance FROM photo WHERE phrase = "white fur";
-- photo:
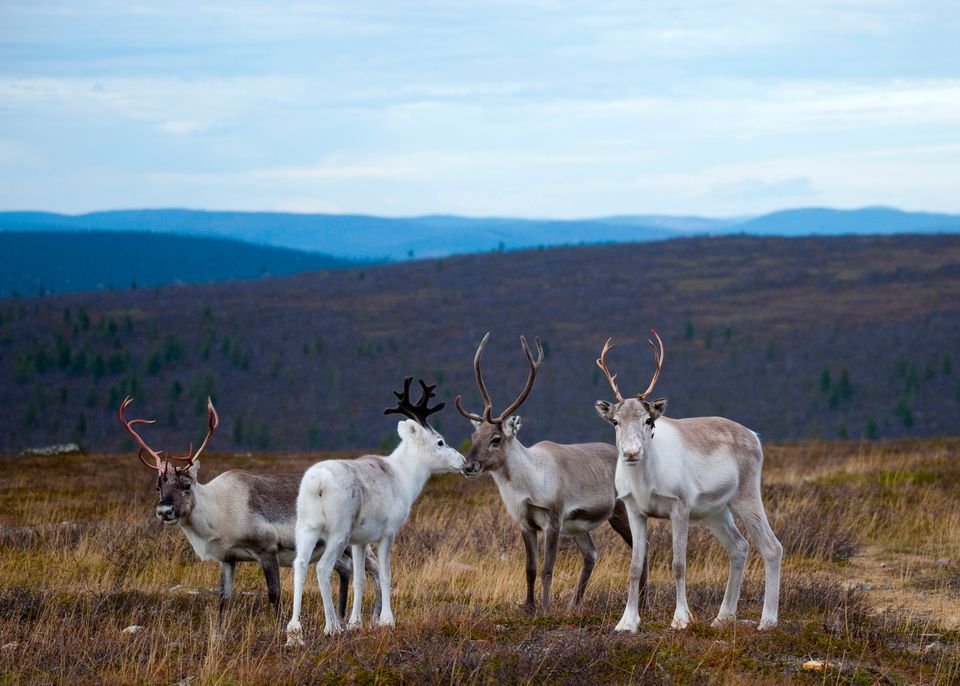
(358, 502)
(658, 475)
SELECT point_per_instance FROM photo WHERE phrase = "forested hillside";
(812, 337)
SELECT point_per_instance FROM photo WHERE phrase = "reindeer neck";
(409, 468)
(206, 518)
(518, 465)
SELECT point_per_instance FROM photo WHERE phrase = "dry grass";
(81, 557)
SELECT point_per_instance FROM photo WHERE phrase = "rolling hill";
(57, 261)
(797, 338)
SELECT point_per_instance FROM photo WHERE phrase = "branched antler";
(419, 412)
(658, 354)
(213, 420)
(487, 402)
(602, 363)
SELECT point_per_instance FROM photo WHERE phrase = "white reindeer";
(363, 501)
(235, 517)
(703, 468)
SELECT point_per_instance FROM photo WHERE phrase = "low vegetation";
(871, 586)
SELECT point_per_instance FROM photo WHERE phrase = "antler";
(213, 421)
(487, 403)
(602, 363)
(129, 424)
(419, 412)
(658, 356)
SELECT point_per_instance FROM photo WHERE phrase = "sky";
(532, 108)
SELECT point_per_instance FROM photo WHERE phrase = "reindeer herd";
(703, 469)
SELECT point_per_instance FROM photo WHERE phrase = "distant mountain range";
(382, 238)
(47, 252)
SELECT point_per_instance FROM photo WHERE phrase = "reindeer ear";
(192, 471)
(604, 409)
(511, 426)
(656, 408)
(407, 428)
(476, 424)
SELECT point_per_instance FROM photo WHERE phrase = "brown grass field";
(871, 585)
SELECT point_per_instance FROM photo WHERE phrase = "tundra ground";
(871, 586)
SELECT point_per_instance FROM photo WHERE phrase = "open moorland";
(871, 586)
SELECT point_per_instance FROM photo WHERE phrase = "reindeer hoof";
(681, 620)
(629, 625)
(354, 624)
(721, 620)
(294, 635)
(332, 629)
(767, 624)
(530, 608)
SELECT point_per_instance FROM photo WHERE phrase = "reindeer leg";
(530, 546)
(620, 522)
(342, 568)
(335, 545)
(359, 582)
(551, 538)
(270, 565)
(723, 527)
(638, 564)
(383, 553)
(227, 570)
(373, 569)
(306, 541)
(589, 551)
(755, 521)
(680, 521)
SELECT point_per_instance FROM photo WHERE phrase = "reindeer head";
(417, 432)
(175, 482)
(634, 419)
(492, 435)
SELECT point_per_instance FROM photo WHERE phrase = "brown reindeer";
(236, 517)
(549, 487)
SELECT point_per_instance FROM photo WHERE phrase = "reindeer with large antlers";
(366, 500)
(548, 487)
(235, 517)
(703, 468)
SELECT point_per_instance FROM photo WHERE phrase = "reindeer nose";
(164, 511)
(630, 452)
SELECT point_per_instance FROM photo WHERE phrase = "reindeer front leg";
(680, 522)
(638, 567)
(227, 569)
(530, 546)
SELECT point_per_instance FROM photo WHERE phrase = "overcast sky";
(536, 108)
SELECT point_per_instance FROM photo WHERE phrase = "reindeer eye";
(186, 486)
(615, 422)
(440, 443)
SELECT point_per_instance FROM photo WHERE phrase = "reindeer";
(703, 468)
(549, 487)
(366, 500)
(235, 517)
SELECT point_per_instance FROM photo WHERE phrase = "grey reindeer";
(235, 517)
(549, 487)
